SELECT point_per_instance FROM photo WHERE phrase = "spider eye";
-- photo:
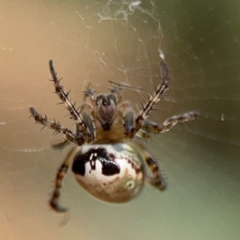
(106, 101)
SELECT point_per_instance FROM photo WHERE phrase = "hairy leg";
(153, 100)
(75, 114)
(168, 124)
(56, 126)
(157, 179)
(54, 201)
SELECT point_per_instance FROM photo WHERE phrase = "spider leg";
(153, 100)
(64, 96)
(62, 143)
(54, 201)
(151, 127)
(157, 179)
(56, 126)
(86, 111)
(127, 113)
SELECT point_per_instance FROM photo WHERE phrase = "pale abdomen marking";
(111, 172)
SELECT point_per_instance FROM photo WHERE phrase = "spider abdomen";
(112, 172)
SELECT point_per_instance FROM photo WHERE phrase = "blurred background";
(123, 41)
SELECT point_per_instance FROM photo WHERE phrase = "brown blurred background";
(122, 41)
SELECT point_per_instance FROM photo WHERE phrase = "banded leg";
(54, 201)
(56, 126)
(60, 144)
(153, 100)
(157, 180)
(64, 96)
(151, 127)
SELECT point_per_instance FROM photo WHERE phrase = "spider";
(109, 153)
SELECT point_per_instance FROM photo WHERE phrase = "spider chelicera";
(109, 153)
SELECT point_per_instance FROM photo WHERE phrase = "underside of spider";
(109, 153)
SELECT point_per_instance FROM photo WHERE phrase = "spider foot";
(55, 204)
(160, 184)
(58, 208)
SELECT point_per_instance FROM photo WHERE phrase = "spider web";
(122, 41)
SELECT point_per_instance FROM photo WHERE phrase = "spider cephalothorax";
(108, 161)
